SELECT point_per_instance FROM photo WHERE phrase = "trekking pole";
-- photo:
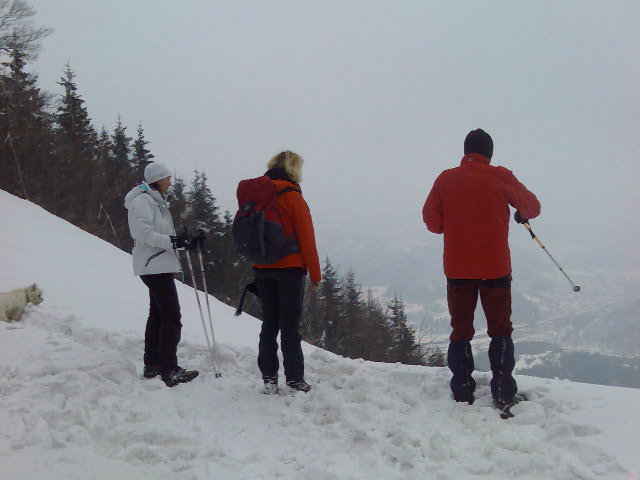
(526, 225)
(206, 333)
(206, 296)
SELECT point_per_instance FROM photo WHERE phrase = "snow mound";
(75, 395)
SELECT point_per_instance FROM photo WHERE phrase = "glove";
(188, 241)
(519, 218)
(181, 241)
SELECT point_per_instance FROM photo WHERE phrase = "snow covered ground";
(73, 404)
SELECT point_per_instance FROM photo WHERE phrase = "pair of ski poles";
(576, 288)
(210, 343)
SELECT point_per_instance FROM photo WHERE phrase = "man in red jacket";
(469, 204)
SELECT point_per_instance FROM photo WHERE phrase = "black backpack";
(257, 227)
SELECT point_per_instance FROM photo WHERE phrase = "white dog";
(13, 303)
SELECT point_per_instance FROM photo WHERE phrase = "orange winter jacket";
(469, 204)
(296, 220)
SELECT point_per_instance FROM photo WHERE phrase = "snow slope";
(73, 404)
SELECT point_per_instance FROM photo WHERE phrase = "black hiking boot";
(179, 375)
(151, 371)
(505, 407)
(270, 385)
(468, 399)
(298, 385)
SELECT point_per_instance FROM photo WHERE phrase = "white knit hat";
(156, 171)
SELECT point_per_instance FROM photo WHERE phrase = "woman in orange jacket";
(280, 286)
(469, 204)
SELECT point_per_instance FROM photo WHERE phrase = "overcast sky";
(377, 96)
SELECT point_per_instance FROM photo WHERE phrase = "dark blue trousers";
(281, 292)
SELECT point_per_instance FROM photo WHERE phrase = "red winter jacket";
(296, 219)
(470, 205)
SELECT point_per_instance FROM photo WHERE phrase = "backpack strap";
(249, 287)
(288, 189)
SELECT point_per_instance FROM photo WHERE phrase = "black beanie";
(479, 141)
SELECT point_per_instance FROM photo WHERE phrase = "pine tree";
(311, 327)
(234, 273)
(178, 200)
(103, 159)
(73, 118)
(75, 156)
(121, 177)
(103, 149)
(202, 211)
(331, 308)
(377, 338)
(25, 130)
(201, 214)
(354, 320)
(121, 151)
(404, 345)
(142, 156)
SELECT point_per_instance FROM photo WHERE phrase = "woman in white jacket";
(155, 260)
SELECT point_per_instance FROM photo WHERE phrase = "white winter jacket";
(151, 226)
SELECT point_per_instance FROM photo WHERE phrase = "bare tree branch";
(17, 27)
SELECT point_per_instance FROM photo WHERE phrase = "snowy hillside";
(73, 404)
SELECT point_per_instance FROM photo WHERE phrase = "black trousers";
(164, 328)
(281, 292)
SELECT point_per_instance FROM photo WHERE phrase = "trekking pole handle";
(199, 239)
(527, 225)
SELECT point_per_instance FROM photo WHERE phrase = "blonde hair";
(290, 162)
